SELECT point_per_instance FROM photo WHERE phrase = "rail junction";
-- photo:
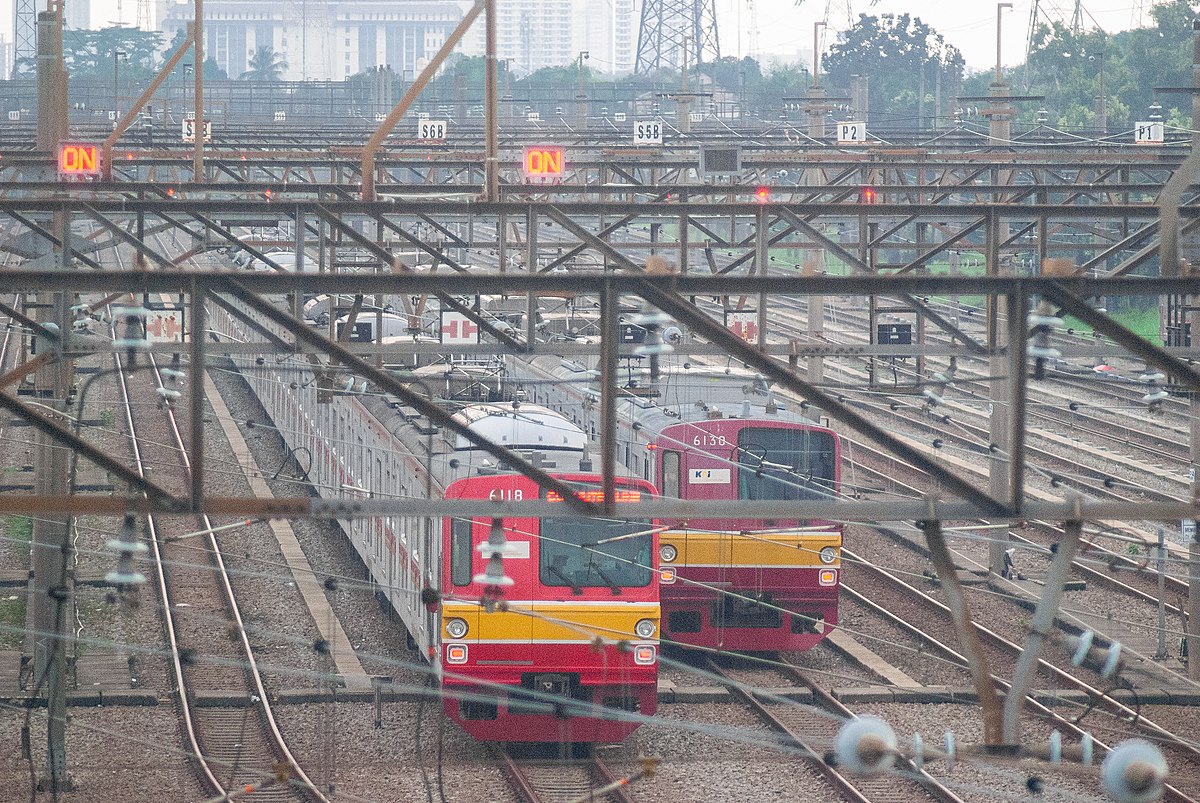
(948, 306)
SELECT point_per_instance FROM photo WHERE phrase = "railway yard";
(844, 473)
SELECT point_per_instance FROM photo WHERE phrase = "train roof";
(520, 426)
(684, 392)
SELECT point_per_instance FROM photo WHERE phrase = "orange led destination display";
(78, 159)
(542, 161)
(597, 496)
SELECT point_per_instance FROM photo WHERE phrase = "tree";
(265, 65)
(902, 56)
(89, 54)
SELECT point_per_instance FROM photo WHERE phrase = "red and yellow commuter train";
(704, 432)
(556, 639)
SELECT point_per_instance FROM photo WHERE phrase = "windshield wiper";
(616, 589)
(575, 589)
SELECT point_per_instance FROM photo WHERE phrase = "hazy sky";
(786, 28)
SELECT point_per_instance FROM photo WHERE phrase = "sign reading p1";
(648, 132)
(1149, 133)
(78, 159)
(431, 129)
(542, 161)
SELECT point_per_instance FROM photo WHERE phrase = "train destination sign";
(79, 159)
(542, 161)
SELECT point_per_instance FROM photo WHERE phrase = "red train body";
(573, 645)
(747, 584)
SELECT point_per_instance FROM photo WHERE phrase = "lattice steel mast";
(674, 31)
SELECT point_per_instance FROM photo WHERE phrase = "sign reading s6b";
(543, 162)
(648, 132)
(78, 159)
(431, 129)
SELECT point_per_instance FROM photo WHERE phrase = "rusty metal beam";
(69, 439)
(1152, 354)
(737, 348)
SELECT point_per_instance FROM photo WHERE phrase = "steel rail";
(1113, 706)
(827, 699)
(842, 783)
(279, 742)
(190, 726)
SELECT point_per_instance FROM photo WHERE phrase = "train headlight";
(829, 554)
(667, 553)
(666, 576)
(645, 628)
(456, 628)
(828, 577)
(456, 654)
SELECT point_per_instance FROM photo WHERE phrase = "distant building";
(532, 34)
(6, 57)
(321, 41)
(78, 14)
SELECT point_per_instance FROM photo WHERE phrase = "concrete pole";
(998, 394)
(51, 554)
(491, 172)
(1193, 319)
(198, 75)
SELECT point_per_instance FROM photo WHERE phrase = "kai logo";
(708, 476)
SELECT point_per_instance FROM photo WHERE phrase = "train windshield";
(785, 464)
(580, 553)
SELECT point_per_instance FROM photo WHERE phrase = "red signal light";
(763, 194)
(170, 192)
(867, 195)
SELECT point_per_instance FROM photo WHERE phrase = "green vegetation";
(20, 530)
(106, 418)
(12, 620)
(1143, 322)
(1072, 67)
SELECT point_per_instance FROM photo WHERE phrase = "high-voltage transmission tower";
(24, 32)
(675, 32)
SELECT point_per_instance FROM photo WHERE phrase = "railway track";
(1182, 753)
(541, 780)
(225, 715)
(811, 728)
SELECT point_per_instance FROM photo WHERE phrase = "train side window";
(460, 552)
(670, 477)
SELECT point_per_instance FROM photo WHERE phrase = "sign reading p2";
(78, 159)
(541, 161)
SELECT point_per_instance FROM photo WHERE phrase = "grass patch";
(12, 621)
(20, 530)
(106, 418)
(1145, 323)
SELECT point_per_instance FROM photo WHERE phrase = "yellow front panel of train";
(726, 549)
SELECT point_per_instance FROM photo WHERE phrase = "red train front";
(573, 647)
(747, 584)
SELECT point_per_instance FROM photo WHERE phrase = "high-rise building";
(6, 57)
(78, 14)
(326, 41)
(532, 34)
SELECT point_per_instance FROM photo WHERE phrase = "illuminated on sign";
(78, 159)
(543, 162)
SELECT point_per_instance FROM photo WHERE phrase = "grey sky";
(786, 29)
